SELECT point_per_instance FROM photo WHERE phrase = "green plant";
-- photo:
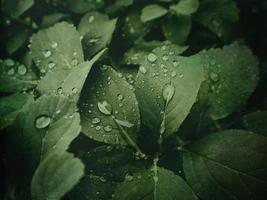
(131, 100)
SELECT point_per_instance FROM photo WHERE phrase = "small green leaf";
(15, 8)
(47, 125)
(58, 47)
(15, 77)
(159, 183)
(164, 67)
(219, 16)
(11, 106)
(106, 85)
(231, 76)
(55, 176)
(227, 165)
(256, 122)
(177, 29)
(152, 12)
(185, 7)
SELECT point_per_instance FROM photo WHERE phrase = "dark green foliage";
(133, 100)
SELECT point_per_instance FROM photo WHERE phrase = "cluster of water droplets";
(13, 68)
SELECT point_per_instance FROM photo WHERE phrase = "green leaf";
(98, 34)
(219, 16)
(185, 7)
(231, 76)
(106, 98)
(15, 8)
(11, 106)
(227, 165)
(161, 72)
(47, 125)
(55, 176)
(177, 29)
(17, 40)
(152, 12)
(57, 48)
(15, 77)
(160, 184)
(51, 19)
(256, 122)
(82, 6)
(68, 82)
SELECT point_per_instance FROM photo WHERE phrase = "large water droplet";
(142, 70)
(9, 62)
(104, 107)
(91, 19)
(42, 121)
(74, 90)
(168, 92)
(59, 90)
(128, 177)
(96, 120)
(22, 70)
(108, 128)
(151, 57)
(74, 62)
(11, 72)
(47, 53)
(124, 123)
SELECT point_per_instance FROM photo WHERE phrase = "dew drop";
(165, 58)
(74, 90)
(214, 77)
(22, 70)
(142, 70)
(168, 92)
(54, 45)
(74, 62)
(96, 120)
(104, 107)
(128, 177)
(151, 57)
(42, 121)
(47, 53)
(59, 90)
(9, 62)
(98, 128)
(124, 123)
(120, 97)
(108, 128)
(11, 72)
(173, 74)
(51, 65)
(91, 19)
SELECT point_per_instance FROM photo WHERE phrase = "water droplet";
(96, 120)
(214, 77)
(59, 90)
(142, 70)
(120, 97)
(128, 177)
(93, 40)
(98, 128)
(9, 62)
(54, 45)
(124, 123)
(151, 57)
(11, 72)
(165, 58)
(22, 70)
(51, 65)
(74, 62)
(108, 128)
(104, 107)
(175, 63)
(74, 90)
(168, 92)
(91, 19)
(47, 53)
(173, 74)
(42, 121)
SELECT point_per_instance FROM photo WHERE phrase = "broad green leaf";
(51, 19)
(15, 77)
(47, 125)
(57, 48)
(256, 122)
(118, 5)
(15, 8)
(177, 29)
(152, 12)
(227, 165)
(231, 76)
(82, 6)
(166, 87)
(92, 188)
(55, 176)
(185, 7)
(105, 99)
(68, 82)
(220, 16)
(159, 183)
(112, 163)
(10, 106)
(98, 36)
